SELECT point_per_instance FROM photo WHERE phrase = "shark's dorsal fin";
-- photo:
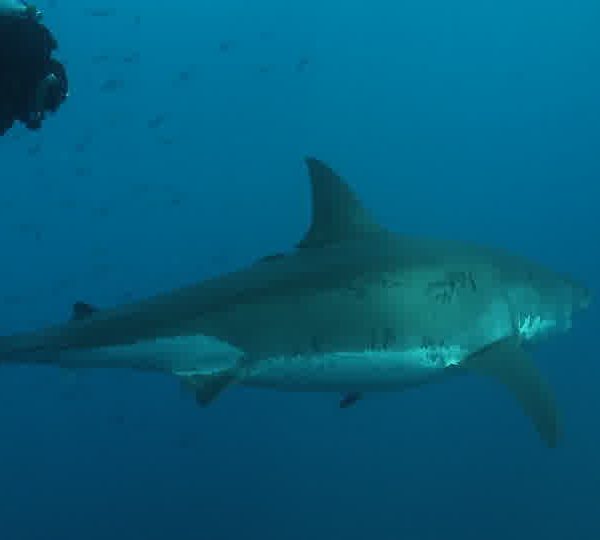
(82, 310)
(337, 214)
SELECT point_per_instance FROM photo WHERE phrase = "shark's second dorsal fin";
(337, 214)
(82, 310)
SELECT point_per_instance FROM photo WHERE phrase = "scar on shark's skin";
(391, 283)
(315, 345)
(382, 339)
(360, 287)
(444, 291)
(358, 290)
(389, 338)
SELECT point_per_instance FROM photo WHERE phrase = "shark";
(353, 308)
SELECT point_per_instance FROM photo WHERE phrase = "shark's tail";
(24, 349)
(39, 347)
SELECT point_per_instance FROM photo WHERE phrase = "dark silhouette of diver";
(32, 83)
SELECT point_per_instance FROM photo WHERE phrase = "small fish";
(132, 58)
(167, 141)
(82, 171)
(112, 85)
(101, 12)
(156, 121)
(184, 76)
(100, 58)
(225, 46)
(302, 64)
(265, 34)
(34, 149)
(82, 144)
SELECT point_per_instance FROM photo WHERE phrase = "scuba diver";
(32, 83)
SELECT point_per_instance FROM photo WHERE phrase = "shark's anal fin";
(272, 257)
(337, 214)
(82, 310)
(508, 363)
(208, 387)
(349, 399)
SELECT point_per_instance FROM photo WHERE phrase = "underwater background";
(179, 156)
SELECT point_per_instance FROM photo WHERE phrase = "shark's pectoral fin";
(349, 399)
(208, 387)
(507, 362)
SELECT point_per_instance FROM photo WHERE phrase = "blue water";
(179, 156)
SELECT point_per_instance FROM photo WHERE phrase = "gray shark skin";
(352, 309)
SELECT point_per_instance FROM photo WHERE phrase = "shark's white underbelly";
(183, 355)
(354, 371)
(337, 371)
(365, 370)
(377, 369)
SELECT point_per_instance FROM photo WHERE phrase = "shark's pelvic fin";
(81, 310)
(208, 387)
(352, 398)
(507, 362)
(337, 214)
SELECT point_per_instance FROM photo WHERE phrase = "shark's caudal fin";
(508, 363)
(337, 214)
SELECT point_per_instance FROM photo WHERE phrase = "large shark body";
(353, 309)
